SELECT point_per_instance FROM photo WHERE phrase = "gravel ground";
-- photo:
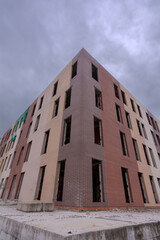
(73, 222)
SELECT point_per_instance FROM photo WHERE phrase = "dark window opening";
(19, 136)
(157, 126)
(154, 139)
(132, 105)
(8, 161)
(116, 91)
(3, 164)
(98, 98)
(152, 157)
(61, 170)
(158, 179)
(154, 189)
(136, 149)
(97, 183)
(4, 187)
(128, 120)
(14, 141)
(28, 151)
(19, 186)
(158, 139)
(67, 130)
(143, 188)
(8, 134)
(119, 115)
(12, 159)
(37, 123)
(139, 111)
(1, 185)
(8, 146)
(20, 123)
(144, 131)
(94, 72)
(12, 187)
(40, 183)
(149, 121)
(98, 131)
(41, 102)
(124, 144)
(56, 106)
(20, 155)
(153, 123)
(123, 97)
(45, 142)
(2, 150)
(55, 88)
(68, 98)
(74, 69)
(126, 185)
(29, 129)
(139, 128)
(146, 154)
(34, 109)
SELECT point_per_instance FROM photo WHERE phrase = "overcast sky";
(39, 37)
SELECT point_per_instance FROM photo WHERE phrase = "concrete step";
(35, 207)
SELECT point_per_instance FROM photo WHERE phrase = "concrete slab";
(98, 225)
(35, 207)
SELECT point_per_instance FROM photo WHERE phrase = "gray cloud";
(38, 38)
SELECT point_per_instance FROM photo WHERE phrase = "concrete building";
(85, 142)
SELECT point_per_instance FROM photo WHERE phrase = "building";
(85, 142)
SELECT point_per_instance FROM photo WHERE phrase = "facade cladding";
(84, 143)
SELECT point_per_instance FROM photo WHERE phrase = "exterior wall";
(81, 150)
(79, 153)
(115, 159)
(9, 150)
(143, 167)
(16, 167)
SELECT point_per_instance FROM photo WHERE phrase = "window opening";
(154, 189)
(19, 186)
(126, 185)
(123, 97)
(143, 188)
(124, 144)
(67, 130)
(37, 123)
(28, 151)
(61, 170)
(136, 149)
(98, 98)
(119, 115)
(97, 184)
(45, 142)
(55, 88)
(56, 106)
(146, 154)
(152, 157)
(94, 72)
(40, 183)
(98, 131)
(132, 105)
(128, 120)
(68, 98)
(116, 91)
(41, 102)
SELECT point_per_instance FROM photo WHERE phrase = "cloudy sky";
(39, 37)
